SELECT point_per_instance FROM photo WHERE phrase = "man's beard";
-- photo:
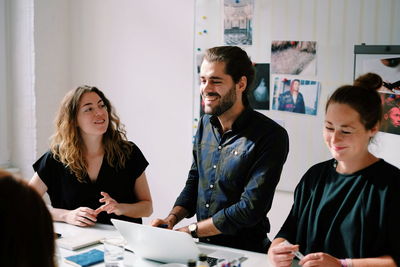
(226, 102)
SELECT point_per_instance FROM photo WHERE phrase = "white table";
(131, 260)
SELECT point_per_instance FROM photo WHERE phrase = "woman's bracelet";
(346, 263)
(349, 262)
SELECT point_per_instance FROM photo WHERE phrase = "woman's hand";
(320, 259)
(110, 205)
(82, 216)
(281, 255)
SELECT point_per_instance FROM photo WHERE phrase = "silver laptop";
(164, 245)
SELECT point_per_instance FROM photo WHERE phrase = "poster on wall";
(293, 94)
(389, 69)
(293, 57)
(384, 61)
(391, 113)
(238, 20)
(259, 94)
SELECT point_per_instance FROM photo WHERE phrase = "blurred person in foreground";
(26, 226)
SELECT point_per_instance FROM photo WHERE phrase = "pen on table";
(127, 249)
(298, 255)
(163, 226)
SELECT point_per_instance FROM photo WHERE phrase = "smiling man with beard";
(238, 155)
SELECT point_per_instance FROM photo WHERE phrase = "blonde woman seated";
(345, 210)
(91, 172)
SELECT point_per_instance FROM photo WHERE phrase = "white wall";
(4, 148)
(20, 83)
(52, 65)
(141, 54)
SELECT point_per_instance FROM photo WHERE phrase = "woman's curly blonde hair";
(67, 144)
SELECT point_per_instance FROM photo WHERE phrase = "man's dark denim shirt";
(233, 178)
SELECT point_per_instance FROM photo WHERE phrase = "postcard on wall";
(388, 69)
(296, 95)
(391, 113)
(293, 57)
(238, 22)
(259, 94)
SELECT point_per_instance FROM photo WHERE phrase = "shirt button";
(207, 205)
(219, 147)
(215, 166)
(211, 186)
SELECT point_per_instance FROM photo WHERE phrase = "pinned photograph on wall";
(259, 94)
(391, 113)
(388, 69)
(295, 95)
(294, 57)
(238, 20)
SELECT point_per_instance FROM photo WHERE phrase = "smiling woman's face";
(92, 115)
(344, 134)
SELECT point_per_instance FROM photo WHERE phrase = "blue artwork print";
(296, 95)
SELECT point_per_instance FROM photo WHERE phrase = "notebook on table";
(165, 245)
(86, 259)
(79, 241)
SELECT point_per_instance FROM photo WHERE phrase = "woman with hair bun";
(345, 210)
(369, 80)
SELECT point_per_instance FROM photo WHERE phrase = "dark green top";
(347, 216)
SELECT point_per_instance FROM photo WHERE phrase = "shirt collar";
(238, 124)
